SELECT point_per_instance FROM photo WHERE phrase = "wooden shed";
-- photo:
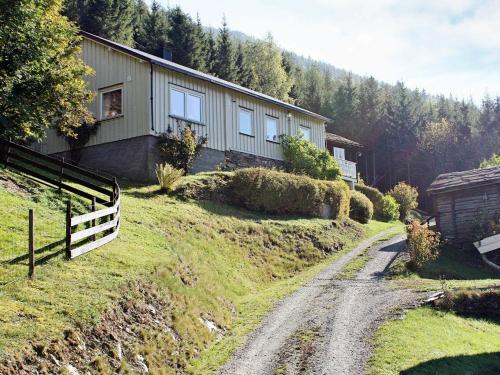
(464, 200)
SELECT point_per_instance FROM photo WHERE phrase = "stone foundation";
(235, 160)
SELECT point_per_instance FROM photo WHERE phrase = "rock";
(72, 370)
(119, 351)
(140, 363)
(55, 360)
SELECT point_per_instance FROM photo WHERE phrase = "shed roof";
(196, 74)
(341, 140)
(465, 180)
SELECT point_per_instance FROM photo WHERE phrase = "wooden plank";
(487, 248)
(31, 244)
(93, 245)
(487, 240)
(95, 215)
(95, 230)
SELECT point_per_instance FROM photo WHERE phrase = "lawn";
(427, 341)
(201, 259)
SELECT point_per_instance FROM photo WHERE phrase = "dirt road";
(326, 326)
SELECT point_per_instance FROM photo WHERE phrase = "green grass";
(237, 263)
(428, 342)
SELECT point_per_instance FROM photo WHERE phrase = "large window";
(339, 153)
(271, 129)
(185, 104)
(246, 126)
(111, 103)
(306, 132)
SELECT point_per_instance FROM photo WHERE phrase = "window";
(185, 105)
(306, 133)
(246, 122)
(111, 103)
(271, 129)
(339, 153)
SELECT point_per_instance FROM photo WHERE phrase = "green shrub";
(276, 192)
(406, 196)
(168, 176)
(423, 244)
(206, 186)
(375, 196)
(390, 209)
(181, 150)
(303, 157)
(361, 208)
(493, 161)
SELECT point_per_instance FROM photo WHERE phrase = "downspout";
(151, 96)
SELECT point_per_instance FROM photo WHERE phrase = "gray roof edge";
(197, 74)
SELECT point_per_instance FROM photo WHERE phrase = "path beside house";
(326, 326)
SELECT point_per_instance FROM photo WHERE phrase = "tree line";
(408, 135)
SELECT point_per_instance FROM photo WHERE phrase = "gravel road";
(326, 326)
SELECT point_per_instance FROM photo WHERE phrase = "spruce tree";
(110, 19)
(184, 40)
(154, 35)
(224, 61)
(141, 14)
(244, 73)
(210, 52)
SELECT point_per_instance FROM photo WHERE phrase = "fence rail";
(58, 173)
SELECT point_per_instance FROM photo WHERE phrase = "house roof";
(465, 180)
(341, 140)
(197, 74)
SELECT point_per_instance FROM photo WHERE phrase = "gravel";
(326, 327)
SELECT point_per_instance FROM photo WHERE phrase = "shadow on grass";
(24, 257)
(479, 364)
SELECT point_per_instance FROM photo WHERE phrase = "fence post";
(68, 229)
(93, 221)
(61, 171)
(31, 244)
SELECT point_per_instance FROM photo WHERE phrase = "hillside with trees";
(408, 134)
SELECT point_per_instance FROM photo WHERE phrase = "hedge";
(276, 192)
(361, 208)
(375, 196)
(390, 209)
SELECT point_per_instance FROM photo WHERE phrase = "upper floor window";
(111, 103)
(185, 104)
(339, 153)
(271, 129)
(246, 125)
(306, 132)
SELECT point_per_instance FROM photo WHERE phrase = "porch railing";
(348, 169)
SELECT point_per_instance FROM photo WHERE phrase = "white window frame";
(339, 153)
(276, 121)
(101, 101)
(186, 93)
(301, 129)
(241, 109)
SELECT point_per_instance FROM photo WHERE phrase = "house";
(345, 152)
(464, 201)
(141, 96)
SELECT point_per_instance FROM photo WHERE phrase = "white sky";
(445, 46)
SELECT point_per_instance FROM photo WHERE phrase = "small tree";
(181, 150)
(491, 162)
(390, 209)
(423, 244)
(303, 157)
(406, 196)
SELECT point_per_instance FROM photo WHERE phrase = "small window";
(306, 133)
(177, 103)
(339, 153)
(193, 108)
(111, 103)
(246, 122)
(271, 129)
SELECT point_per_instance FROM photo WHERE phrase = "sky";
(449, 47)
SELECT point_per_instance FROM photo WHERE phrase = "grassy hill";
(176, 292)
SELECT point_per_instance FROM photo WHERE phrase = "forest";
(408, 134)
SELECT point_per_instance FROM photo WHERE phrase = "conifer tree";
(141, 14)
(210, 52)
(244, 73)
(224, 61)
(154, 35)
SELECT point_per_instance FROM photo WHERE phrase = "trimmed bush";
(168, 176)
(423, 244)
(390, 209)
(276, 192)
(361, 208)
(303, 157)
(375, 196)
(406, 196)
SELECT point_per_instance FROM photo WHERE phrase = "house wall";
(113, 68)
(459, 213)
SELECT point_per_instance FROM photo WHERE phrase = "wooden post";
(61, 171)
(68, 229)
(31, 244)
(93, 221)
